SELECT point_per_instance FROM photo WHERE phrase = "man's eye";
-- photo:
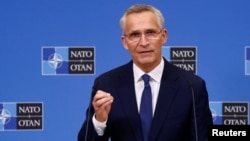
(150, 32)
(134, 34)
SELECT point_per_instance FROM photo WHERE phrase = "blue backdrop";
(218, 29)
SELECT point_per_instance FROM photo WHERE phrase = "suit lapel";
(128, 100)
(166, 95)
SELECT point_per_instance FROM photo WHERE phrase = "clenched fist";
(102, 104)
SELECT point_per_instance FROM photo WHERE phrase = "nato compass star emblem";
(55, 60)
(4, 116)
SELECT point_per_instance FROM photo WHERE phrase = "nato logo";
(68, 60)
(247, 60)
(21, 116)
(229, 113)
(184, 57)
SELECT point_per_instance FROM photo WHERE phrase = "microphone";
(194, 113)
(87, 120)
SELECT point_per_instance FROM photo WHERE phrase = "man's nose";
(143, 40)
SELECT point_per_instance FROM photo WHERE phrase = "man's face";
(144, 39)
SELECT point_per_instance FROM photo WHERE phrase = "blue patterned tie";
(146, 107)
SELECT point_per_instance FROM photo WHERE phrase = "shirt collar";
(155, 74)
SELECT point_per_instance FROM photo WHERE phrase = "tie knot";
(146, 77)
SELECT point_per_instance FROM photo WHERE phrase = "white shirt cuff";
(99, 126)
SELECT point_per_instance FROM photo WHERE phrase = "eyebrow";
(150, 29)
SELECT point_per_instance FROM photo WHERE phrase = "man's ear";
(124, 43)
(164, 36)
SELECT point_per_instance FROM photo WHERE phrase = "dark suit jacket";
(174, 114)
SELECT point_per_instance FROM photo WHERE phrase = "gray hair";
(138, 8)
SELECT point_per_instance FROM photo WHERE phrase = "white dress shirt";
(155, 79)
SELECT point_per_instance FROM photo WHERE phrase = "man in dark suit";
(179, 101)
